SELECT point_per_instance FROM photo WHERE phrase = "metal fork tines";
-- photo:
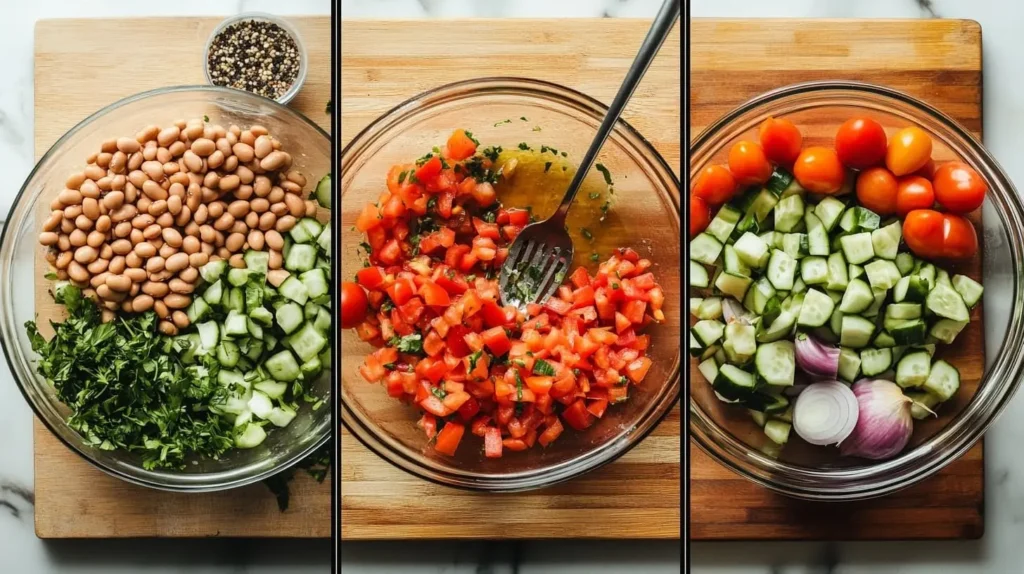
(532, 272)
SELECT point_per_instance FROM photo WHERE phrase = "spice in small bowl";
(258, 53)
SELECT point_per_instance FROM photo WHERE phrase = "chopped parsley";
(542, 367)
(438, 392)
(469, 135)
(473, 359)
(587, 234)
(402, 176)
(519, 385)
(524, 146)
(536, 128)
(547, 166)
(523, 118)
(410, 344)
(502, 122)
(594, 257)
(604, 171)
(591, 195)
(546, 149)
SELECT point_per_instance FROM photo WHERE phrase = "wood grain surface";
(383, 64)
(938, 61)
(75, 75)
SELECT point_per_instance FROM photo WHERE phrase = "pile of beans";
(133, 228)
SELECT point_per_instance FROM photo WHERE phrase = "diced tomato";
(449, 438)
(494, 316)
(457, 341)
(433, 294)
(552, 432)
(370, 277)
(484, 229)
(369, 218)
(429, 171)
(444, 204)
(518, 217)
(637, 370)
(492, 443)
(460, 145)
(540, 385)
(497, 340)
(431, 369)
(577, 416)
(558, 306)
(516, 444)
(580, 278)
(433, 345)
(401, 291)
(469, 409)
(434, 406)
(453, 401)
(367, 331)
(429, 425)
(634, 311)
(598, 407)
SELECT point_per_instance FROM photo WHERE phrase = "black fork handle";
(663, 23)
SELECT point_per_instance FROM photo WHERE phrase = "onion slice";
(825, 413)
(733, 311)
(816, 358)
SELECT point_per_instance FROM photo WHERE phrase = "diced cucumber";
(281, 416)
(772, 238)
(260, 405)
(213, 270)
(884, 340)
(723, 224)
(838, 278)
(283, 366)
(924, 404)
(872, 310)
(251, 436)
(817, 235)
(294, 289)
(315, 281)
(882, 274)
(945, 302)
(228, 354)
(257, 261)
(788, 213)
(857, 297)
(323, 241)
(311, 368)
(946, 330)
(307, 342)
(912, 289)
(816, 309)
(741, 338)
(943, 381)
(233, 300)
(696, 349)
(733, 285)
(323, 191)
(798, 286)
(708, 332)
(302, 257)
(734, 383)
(942, 278)
(209, 335)
(903, 311)
(795, 245)
(197, 310)
(855, 271)
(927, 272)
(762, 205)
(758, 417)
(238, 277)
(886, 240)
(708, 369)
(969, 289)
(752, 250)
(732, 263)
(262, 316)
(849, 364)
(859, 218)
(698, 277)
(781, 270)
(776, 363)
(705, 249)
(857, 247)
(829, 210)
(908, 332)
(905, 263)
(254, 328)
(913, 369)
(875, 361)
(779, 181)
(814, 270)
(710, 308)
(780, 328)
(856, 332)
(777, 431)
(236, 324)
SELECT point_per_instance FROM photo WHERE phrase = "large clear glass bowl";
(645, 215)
(728, 434)
(23, 288)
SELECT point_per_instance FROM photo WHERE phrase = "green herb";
(502, 122)
(51, 276)
(519, 363)
(615, 285)
(523, 118)
(519, 385)
(413, 178)
(436, 150)
(492, 152)
(545, 149)
(432, 202)
(604, 171)
(206, 118)
(565, 154)
(547, 166)
(127, 389)
(473, 359)
(411, 344)
(536, 128)
(623, 381)
(524, 146)
(318, 465)
(469, 135)
(592, 195)
(490, 216)
(438, 392)
(424, 159)
(594, 257)
(587, 234)
(542, 367)
(389, 366)
(401, 177)
(387, 305)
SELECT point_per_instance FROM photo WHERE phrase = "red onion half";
(816, 358)
(884, 424)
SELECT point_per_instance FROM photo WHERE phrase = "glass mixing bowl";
(644, 215)
(23, 289)
(728, 434)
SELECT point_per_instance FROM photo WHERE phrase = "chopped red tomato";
(449, 438)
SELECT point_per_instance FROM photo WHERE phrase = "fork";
(540, 255)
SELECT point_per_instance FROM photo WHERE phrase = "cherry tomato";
(700, 215)
(932, 234)
(353, 304)
(715, 185)
(928, 170)
(914, 192)
(781, 140)
(909, 150)
(819, 170)
(959, 239)
(860, 143)
(876, 190)
(959, 188)
(748, 163)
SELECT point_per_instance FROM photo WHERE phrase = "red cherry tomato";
(353, 304)
(748, 163)
(700, 215)
(959, 188)
(860, 143)
(715, 185)
(914, 192)
(909, 150)
(876, 190)
(935, 235)
(781, 140)
(819, 170)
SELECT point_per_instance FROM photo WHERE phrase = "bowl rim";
(962, 432)
(286, 462)
(613, 448)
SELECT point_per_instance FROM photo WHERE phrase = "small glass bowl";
(729, 435)
(300, 78)
(645, 216)
(22, 268)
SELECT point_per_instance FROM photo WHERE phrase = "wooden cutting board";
(938, 61)
(634, 497)
(75, 75)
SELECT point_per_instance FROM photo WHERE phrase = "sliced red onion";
(884, 424)
(825, 413)
(816, 358)
(733, 311)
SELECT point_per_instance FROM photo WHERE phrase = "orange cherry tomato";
(933, 235)
(860, 143)
(819, 170)
(914, 192)
(876, 190)
(909, 150)
(959, 188)
(353, 304)
(959, 239)
(715, 185)
(781, 140)
(700, 215)
(748, 163)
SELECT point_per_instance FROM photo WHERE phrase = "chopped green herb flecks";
(502, 122)
(524, 146)
(587, 234)
(547, 166)
(604, 171)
